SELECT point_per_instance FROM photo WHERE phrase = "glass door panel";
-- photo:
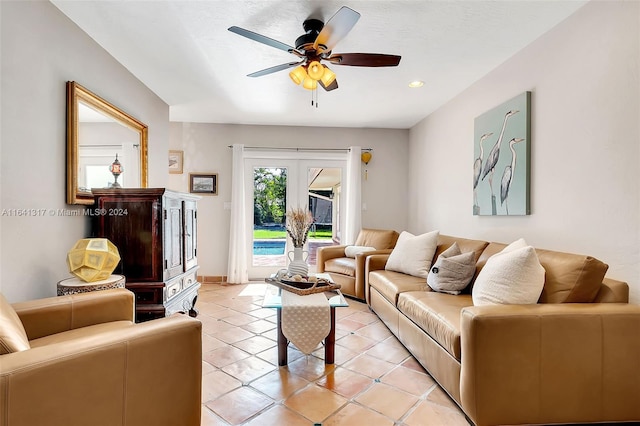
(323, 192)
(269, 209)
(275, 185)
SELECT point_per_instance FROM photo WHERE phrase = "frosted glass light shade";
(315, 70)
(328, 76)
(298, 74)
(310, 84)
(93, 259)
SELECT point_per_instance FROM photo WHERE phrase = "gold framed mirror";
(98, 133)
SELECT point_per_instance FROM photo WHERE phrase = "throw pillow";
(352, 251)
(413, 254)
(452, 271)
(13, 338)
(511, 276)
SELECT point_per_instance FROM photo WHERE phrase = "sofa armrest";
(613, 291)
(148, 373)
(328, 252)
(361, 273)
(550, 363)
(375, 262)
(43, 317)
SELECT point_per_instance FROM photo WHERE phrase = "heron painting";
(506, 132)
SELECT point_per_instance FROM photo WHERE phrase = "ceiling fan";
(315, 46)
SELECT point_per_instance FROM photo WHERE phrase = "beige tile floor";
(374, 381)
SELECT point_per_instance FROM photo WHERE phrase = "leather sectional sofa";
(87, 363)
(574, 357)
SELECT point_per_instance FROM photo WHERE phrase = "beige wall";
(206, 149)
(42, 49)
(585, 174)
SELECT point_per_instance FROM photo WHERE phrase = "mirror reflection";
(100, 140)
(106, 147)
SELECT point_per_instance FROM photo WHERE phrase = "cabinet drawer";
(189, 280)
(174, 288)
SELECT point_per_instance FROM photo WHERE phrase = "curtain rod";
(276, 148)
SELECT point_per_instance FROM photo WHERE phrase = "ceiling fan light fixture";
(328, 76)
(315, 70)
(298, 74)
(310, 84)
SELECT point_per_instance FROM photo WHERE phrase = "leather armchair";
(349, 271)
(89, 364)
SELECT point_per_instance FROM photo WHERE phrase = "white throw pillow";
(413, 254)
(352, 251)
(513, 276)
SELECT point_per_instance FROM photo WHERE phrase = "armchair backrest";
(380, 239)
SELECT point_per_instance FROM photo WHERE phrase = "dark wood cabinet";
(155, 230)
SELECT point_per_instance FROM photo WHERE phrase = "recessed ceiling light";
(415, 84)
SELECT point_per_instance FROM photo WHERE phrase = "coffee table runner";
(306, 320)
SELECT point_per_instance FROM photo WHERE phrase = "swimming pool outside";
(268, 247)
(281, 259)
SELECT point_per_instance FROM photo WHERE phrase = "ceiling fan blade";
(330, 87)
(365, 59)
(335, 29)
(271, 70)
(262, 39)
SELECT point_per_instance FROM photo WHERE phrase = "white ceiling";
(183, 52)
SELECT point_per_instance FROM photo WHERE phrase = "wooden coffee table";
(273, 299)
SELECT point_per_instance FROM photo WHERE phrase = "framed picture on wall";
(203, 183)
(176, 160)
(502, 152)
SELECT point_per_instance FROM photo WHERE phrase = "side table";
(76, 285)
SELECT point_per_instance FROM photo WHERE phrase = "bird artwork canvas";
(501, 166)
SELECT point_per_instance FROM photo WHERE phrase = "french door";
(291, 180)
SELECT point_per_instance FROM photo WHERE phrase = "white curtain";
(353, 210)
(237, 271)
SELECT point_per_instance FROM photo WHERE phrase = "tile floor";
(374, 381)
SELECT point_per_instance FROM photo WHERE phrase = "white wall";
(585, 174)
(41, 50)
(206, 149)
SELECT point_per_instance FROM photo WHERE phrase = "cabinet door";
(133, 228)
(190, 234)
(173, 238)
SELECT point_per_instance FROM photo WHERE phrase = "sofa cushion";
(438, 315)
(341, 265)
(390, 284)
(13, 338)
(352, 251)
(465, 245)
(512, 276)
(413, 254)
(569, 278)
(452, 271)
(379, 238)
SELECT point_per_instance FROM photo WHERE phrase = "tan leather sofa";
(90, 364)
(572, 358)
(349, 271)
